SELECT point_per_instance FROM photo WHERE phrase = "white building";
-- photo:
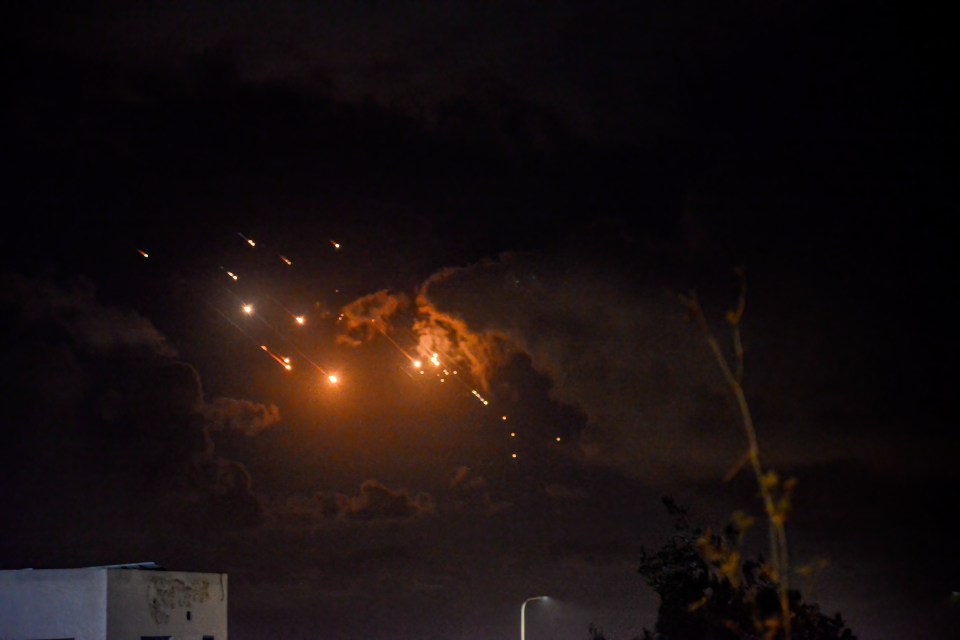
(117, 602)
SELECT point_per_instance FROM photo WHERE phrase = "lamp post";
(523, 609)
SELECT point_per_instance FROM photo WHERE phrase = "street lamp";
(523, 609)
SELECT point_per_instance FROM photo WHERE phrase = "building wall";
(53, 603)
(179, 604)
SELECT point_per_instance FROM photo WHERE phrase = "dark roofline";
(132, 565)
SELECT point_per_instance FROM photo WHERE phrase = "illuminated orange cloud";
(366, 317)
(450, 336)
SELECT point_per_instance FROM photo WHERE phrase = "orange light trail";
(413, 361)
(282, 361)
(298, 318)
(250, 310)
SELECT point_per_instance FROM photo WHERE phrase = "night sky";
(524, 189)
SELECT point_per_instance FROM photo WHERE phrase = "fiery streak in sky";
(282, 361)
(436, 335)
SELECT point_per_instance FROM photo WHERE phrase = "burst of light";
(336, 245)
(264, 347)
(333, 379)
(286, 360)
(417, 364)
(300, 319)
(248, 308)
(232, 275)
(251, 242)
(558, 438)
(143, 253)
(442, 380)
(504, 418)
(435, 359)
(288, 366)
(286, 260)
(513, 434)
(513, 455)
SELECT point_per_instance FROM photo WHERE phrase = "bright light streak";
(300, 319)
(286, 260)
(283, 362)
(232, 275)
(143, 253)
(248, 240)
(435, 359)
(417, 364)
(333, 379)
(336, 245)
(248, 309)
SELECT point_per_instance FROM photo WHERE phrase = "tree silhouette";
(708, 591)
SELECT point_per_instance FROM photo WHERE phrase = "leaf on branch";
(769, 481)
(693, 606)
(742, 521)
(730, 569)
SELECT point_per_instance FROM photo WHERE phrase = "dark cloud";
(376, 502)
(107, 425)
(470, 491)
(40, 306)
(563, 492)
(624, 356)
(245, 416)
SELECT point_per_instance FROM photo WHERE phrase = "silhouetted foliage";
(709, 592)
